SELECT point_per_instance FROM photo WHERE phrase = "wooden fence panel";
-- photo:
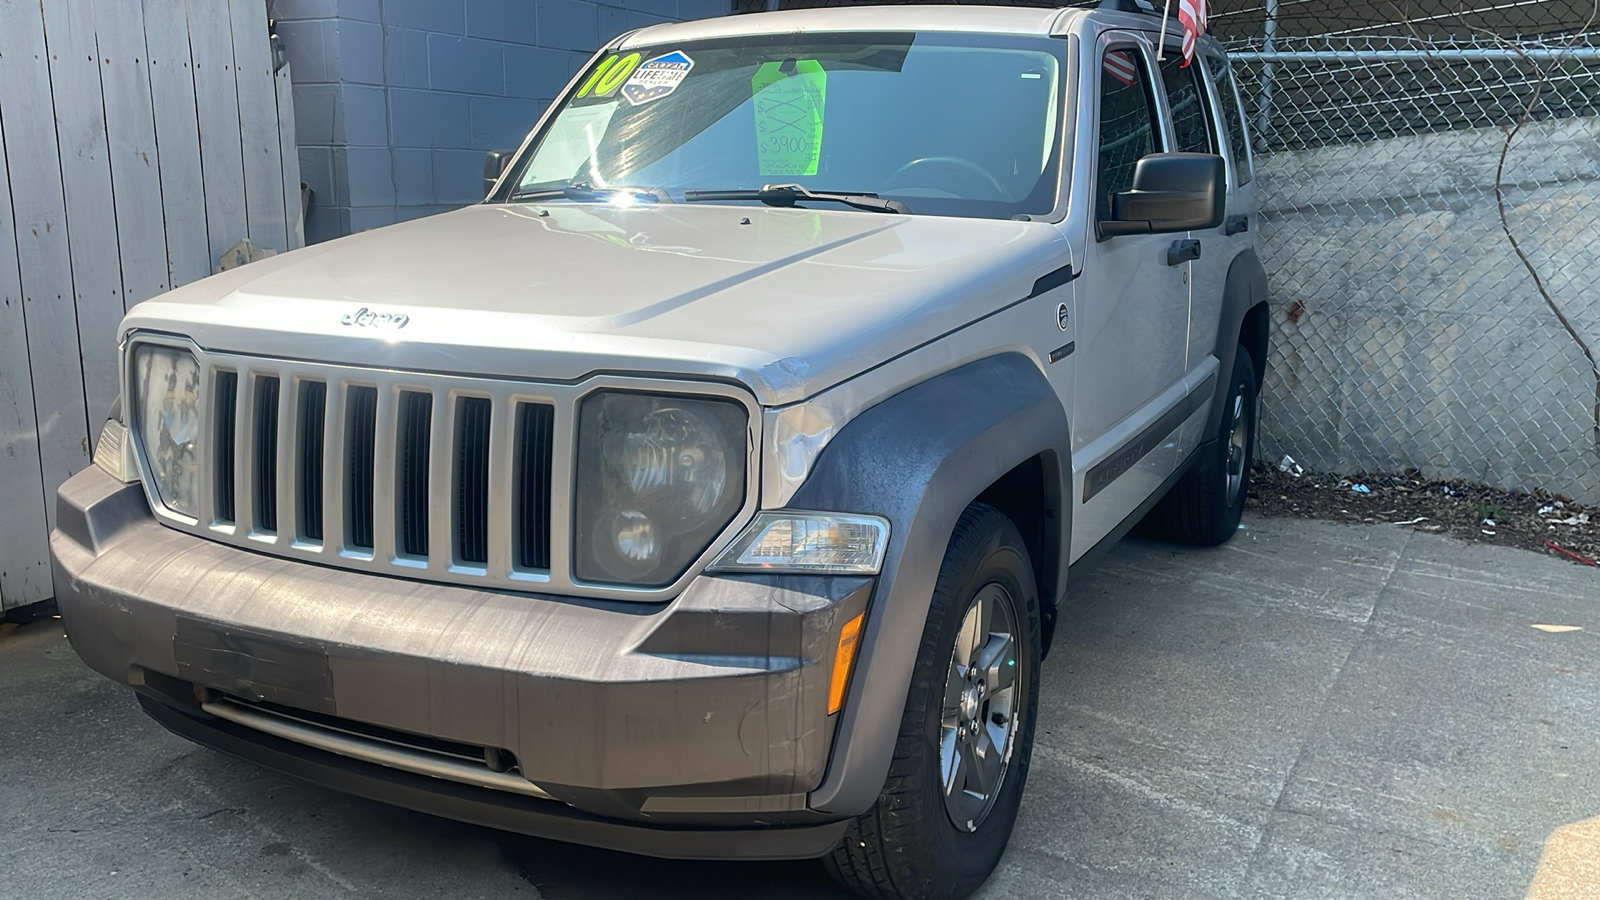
(135, 172)
(217, 100)
(24, 548)
(166, 32)
(139, 140)
(69, 29)
(33, 169)
(290, 155)
(258, 125)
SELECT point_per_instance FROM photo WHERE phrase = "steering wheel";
(974, 175)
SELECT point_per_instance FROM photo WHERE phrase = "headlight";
(659, 478)
(814, 542)
(166, 406)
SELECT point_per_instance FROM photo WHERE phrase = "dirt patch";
(1472, 512)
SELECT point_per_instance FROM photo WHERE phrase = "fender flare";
(919, 459)
(1244, 319)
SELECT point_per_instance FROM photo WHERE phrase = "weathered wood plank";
(217, 102)
(24, 546)
(172, 94)
(258, 125)
(135, 162)
(85, 176)
(43, 259)
(290, 156)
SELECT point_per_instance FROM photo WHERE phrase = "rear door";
(1193, 116)
(1241, 224)
(1133, 315)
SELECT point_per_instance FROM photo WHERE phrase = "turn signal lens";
(113, 453)
(810, 543)
(843, 659)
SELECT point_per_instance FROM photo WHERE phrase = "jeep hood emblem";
(367, 318)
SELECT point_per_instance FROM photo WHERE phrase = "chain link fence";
(1408, 329)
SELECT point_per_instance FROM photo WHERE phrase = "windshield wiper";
(583, 191)
(788, 194)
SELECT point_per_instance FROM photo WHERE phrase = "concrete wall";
(397, 100)
(1407, 332)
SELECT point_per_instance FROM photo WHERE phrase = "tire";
(1204, 507)
(909, 845)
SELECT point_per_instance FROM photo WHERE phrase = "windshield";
(948, 124)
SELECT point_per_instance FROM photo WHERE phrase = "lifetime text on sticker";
(656, 78)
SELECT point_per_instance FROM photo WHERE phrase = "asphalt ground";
(1313, 710)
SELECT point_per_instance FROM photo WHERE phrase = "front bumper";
(692, 728)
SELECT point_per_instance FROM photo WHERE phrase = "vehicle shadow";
(569, 872)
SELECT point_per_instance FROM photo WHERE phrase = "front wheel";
(966, 737)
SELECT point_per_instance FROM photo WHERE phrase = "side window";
(1228, 99)
(1191, 114)
(1126, 124)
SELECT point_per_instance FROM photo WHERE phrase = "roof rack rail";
(1133, 6)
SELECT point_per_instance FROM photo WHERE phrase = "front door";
(1133, 316)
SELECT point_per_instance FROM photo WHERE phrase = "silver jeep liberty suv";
(709, 490)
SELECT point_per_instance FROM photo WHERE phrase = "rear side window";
(1228, 99)
(1191, 114)
(1126, 120)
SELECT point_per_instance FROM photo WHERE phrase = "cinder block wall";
(397, 100)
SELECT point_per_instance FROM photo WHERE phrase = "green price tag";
(788, 107)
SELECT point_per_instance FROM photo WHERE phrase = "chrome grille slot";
(361, 435)
(265, 494)
(227, 399)
(472, 479)
(534, 447)
(416, 422)
(313, 410)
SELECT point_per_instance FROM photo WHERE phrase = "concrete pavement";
(1314, 710)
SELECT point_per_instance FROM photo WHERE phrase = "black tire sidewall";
(1243, 384)
(958, 858)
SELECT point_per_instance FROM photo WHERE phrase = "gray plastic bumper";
(706, 712)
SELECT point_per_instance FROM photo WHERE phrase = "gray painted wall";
(1406, 332)
(397, 100)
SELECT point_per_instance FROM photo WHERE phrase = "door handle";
(1182, 251)
(1236, 224)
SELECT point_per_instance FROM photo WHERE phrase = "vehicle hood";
(788, 301)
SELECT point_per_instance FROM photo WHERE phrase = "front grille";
(418, 475)
(374, 474)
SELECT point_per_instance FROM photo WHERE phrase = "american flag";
(1192, 16)
(1119, 65)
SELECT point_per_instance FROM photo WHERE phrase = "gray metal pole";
(1269, 30)
(1486, 54)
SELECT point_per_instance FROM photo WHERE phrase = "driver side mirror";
(494, 165)
(1171, 192)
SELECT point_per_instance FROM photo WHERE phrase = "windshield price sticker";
(609, 75)
(656, 78)
(789, 100)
